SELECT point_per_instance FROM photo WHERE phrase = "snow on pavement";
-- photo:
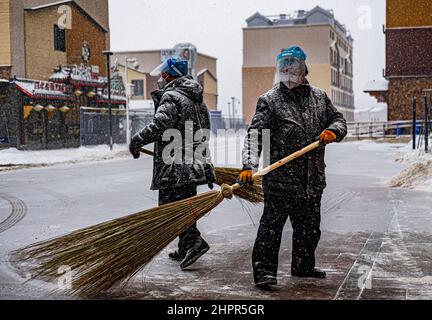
(418, 172)
(14, 157)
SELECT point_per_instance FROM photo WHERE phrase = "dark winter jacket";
(295, 118)
(180, 102)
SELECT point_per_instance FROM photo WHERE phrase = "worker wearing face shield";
(178, 103)
(297, 114)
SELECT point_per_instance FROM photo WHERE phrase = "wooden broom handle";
(282, 162)
(270, 168)
(147, 152)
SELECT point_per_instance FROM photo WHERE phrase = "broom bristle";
(253, 194)
(103, 256)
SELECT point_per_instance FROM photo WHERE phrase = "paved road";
(375, 241)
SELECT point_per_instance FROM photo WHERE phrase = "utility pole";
(426, 116)
(234, 109)
(108, 55)
(229, 115)
(427, 93)
(414, 122)
(128, 132)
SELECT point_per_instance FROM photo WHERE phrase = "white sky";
(215, 27)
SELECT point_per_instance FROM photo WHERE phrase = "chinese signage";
(52, 87)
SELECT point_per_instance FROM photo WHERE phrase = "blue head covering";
(295, 52)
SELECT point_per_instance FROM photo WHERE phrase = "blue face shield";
(175, 67)
(290, 71)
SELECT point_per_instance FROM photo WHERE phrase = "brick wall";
(401, 94)
(84, 29)
(41, 58)
(409, 13)
(409, 52)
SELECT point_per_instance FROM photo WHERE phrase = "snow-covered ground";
(418, 172)
(12, 157)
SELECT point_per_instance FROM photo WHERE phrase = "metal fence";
(219, 121)
(4, 131)
(382, 129)
(95, 125)
(417, 130)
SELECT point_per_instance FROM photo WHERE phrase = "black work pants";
(305, 216)
(188, 238)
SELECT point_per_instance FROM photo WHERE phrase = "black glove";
(135, 146)
(210, 177)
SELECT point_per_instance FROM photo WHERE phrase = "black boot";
(176, 256)
(193, 254)
(265, 282)
(313, 273)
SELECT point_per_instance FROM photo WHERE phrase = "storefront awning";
(45, 90)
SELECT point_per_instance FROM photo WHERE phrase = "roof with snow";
(376, 86)
(58, 3)
(315, 16)
(45, 90)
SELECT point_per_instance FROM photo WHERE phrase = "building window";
(59, 39)
(138, 88)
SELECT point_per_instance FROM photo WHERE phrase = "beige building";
(327, 43)
(206, 72)
(31, 44)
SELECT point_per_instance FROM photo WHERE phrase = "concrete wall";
(409, 13)
(5, 40)
(262, 45)
(17, 39)
(41, 58)
(210, 90)
(207, 62)
(256, 82)
(134, 75)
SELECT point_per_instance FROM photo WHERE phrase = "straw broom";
(253, 194)
(104, 256)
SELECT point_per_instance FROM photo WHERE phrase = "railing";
(373, 129)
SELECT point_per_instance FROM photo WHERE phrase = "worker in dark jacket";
(182, 164)
(296, 114)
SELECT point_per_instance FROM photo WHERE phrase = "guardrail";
(396, 128)
(420, 135)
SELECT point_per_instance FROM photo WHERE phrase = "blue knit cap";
(295, 52)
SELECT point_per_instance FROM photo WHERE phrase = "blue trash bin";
(399, 131)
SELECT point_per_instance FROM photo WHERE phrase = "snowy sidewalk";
(14, 159)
